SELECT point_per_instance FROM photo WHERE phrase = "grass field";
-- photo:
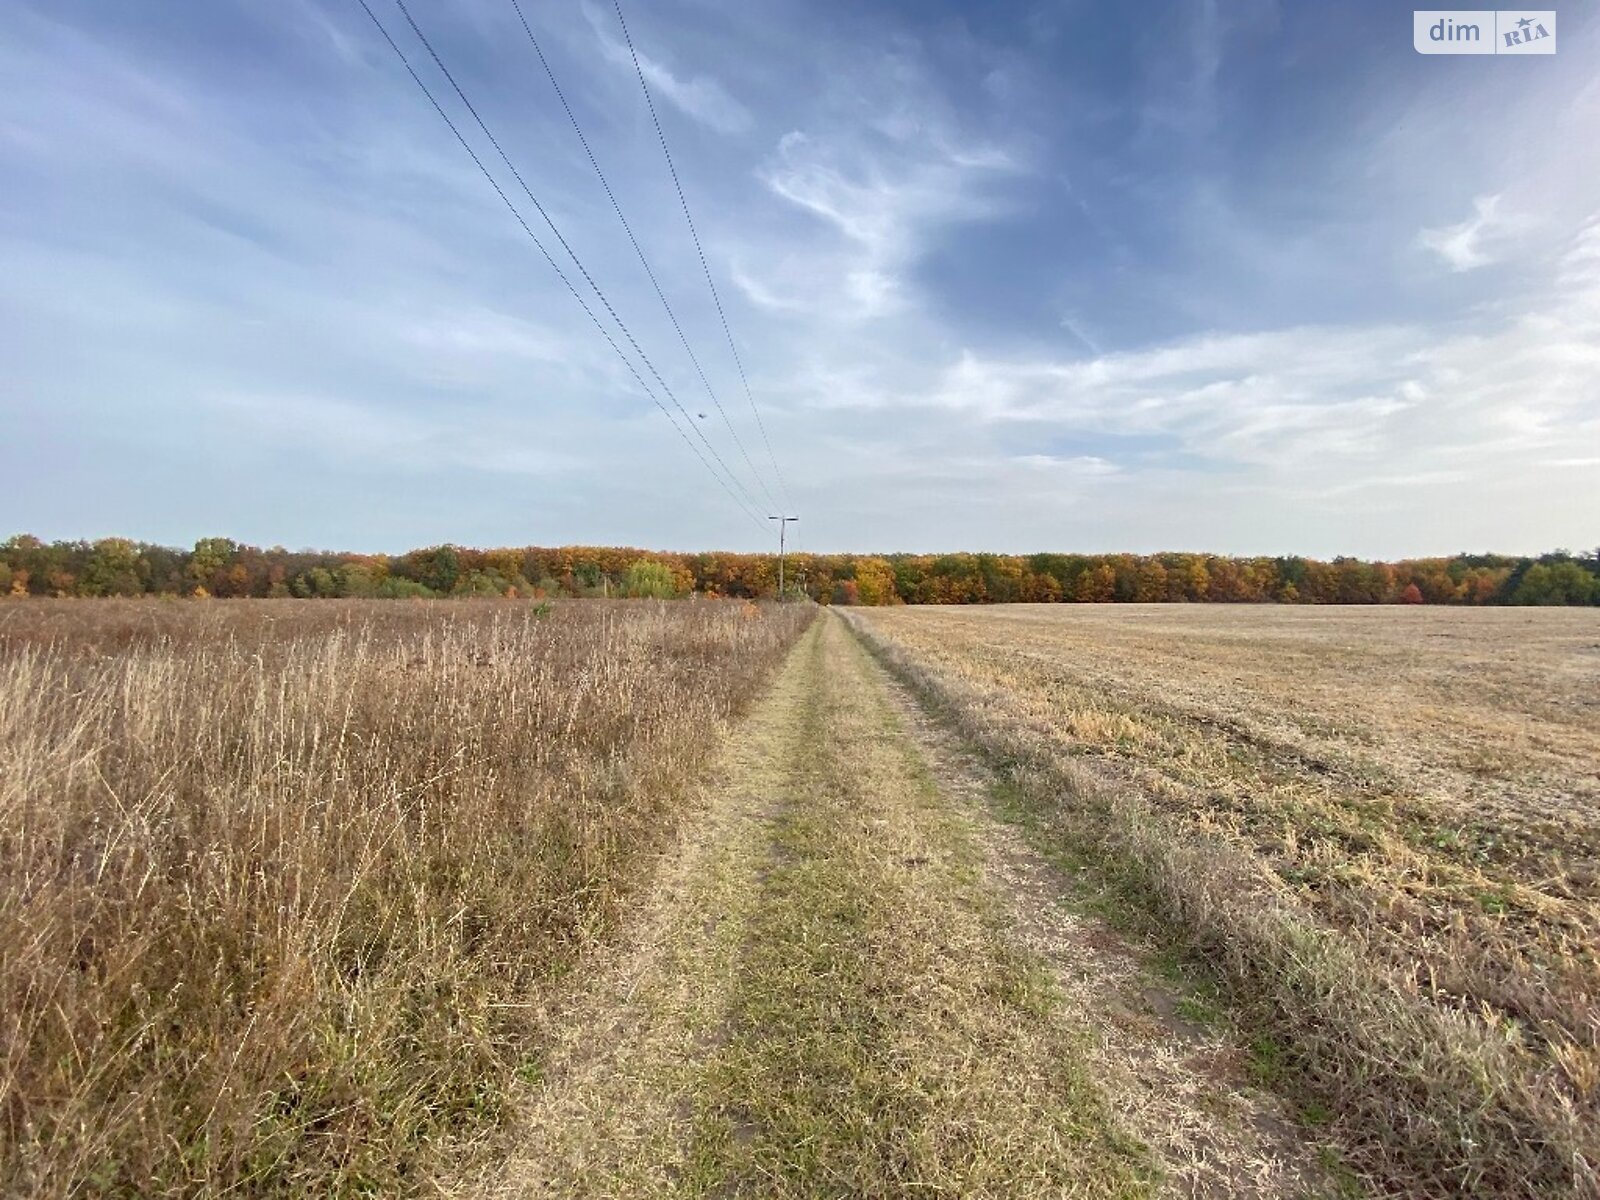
(823, 999)
(283, 885)
(494, 899)
(1381, 827)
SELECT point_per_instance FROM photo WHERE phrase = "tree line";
(220, 567)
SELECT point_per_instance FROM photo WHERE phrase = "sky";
(1249, 277)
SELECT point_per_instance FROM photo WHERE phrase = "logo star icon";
(1525, 22)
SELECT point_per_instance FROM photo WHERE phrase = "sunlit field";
(282, 884)
(1381, 825)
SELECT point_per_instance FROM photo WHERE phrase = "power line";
(638, 250)
(699, 249)
(554, 266)
(571, 253)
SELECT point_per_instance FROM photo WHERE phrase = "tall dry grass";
(281, 885)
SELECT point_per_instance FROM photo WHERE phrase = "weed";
(279, 880)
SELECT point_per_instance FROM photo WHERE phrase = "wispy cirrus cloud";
(1477, 241)
(699, 96)
(876, 215)
(881, 202)
(1307, 411)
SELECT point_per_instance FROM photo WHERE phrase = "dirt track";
(850, 978)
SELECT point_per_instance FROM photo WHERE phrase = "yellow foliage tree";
(874, 582)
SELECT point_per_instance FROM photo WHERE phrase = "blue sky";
(1247, 277)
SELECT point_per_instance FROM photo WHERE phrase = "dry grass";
(824, 1000)
(1380, 825)
(886, 1037)
(1175, 1069)
(280, 882)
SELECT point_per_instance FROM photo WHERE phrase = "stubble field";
(1380, 826)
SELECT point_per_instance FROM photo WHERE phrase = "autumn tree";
(224, 568)
(1038, 588)
(874, 580)
(1192, 578)
(1151, 584)
(208, 563)
(1096, 585)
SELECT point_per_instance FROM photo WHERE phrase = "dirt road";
(850, 979)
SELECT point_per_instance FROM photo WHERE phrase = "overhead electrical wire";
(649, 271)
(571, 253)
(700, 250)
(741, 503)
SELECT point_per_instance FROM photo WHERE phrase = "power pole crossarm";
(783, 525)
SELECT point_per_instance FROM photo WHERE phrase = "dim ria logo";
(1484, 31)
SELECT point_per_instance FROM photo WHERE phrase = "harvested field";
(282, 883)
(1379, 825)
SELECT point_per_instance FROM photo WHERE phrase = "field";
(283, 885)
(497, 899)
(1380, 826)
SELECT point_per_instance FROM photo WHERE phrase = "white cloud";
(1080, 464)
(761, 293)
(1315, 410)
(1478, 241)
(881, 201)
(1075, 326)
(474, 333)
(699, 96)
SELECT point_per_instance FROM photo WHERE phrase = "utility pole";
(783, 525)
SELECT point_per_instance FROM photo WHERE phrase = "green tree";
(438, 569)
(357, 579)
(481, 583)
(113, 569)
(209, 560)
(401, 589)
(649, 579)
(1556, 583)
